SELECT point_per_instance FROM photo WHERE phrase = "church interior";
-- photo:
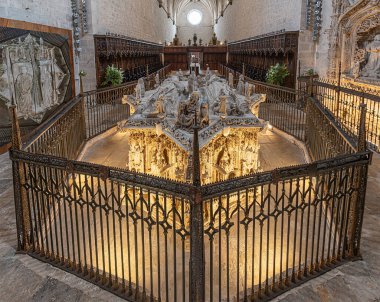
(190, 150)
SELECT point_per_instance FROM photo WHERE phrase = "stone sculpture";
(231, 80)
(157, 80)
(372, 68)
(204, 115)
(162, 129)
(240, 89)
(208, 74)
(34, 74)
(23, 88)
(176, 40)
(141, 84)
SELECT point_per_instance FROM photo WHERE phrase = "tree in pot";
(277, 74)
(113, 76)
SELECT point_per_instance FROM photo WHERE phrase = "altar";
(160, 132)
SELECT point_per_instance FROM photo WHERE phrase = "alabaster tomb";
(161, 129)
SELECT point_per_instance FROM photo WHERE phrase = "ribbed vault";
(173, 7)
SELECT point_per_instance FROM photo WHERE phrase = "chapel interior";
(190, 150)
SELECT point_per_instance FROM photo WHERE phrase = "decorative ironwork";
(346, 108)
(134, 234)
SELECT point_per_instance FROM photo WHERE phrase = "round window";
(194, 17)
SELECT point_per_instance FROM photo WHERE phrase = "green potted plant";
(113, 76)
(310, 72)
(277, 74)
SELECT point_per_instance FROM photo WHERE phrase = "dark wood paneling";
(260, 53)
(131, 55)
(178, 56)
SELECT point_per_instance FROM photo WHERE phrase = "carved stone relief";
(34, 76)
(355, 41)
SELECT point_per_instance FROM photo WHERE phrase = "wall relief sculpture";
(34, 75)
(355, 43)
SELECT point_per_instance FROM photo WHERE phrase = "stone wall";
(249, 18)
(47, 12)
(186, 31)
(138, 19)
(323, 44)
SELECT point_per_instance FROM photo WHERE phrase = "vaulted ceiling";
(173, 7)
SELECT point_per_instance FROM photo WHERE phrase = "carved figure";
(176, 40)
(138, 92)
(24, 84)
(195, 39)
(204, 115)
(157, 80)
(47, 87)
(231, 80)
(192, 82)
(224, 162)
(240, 86)
(249, 90)
(372, 68)
(141, 83)
(135, 157)
(208, 74)
(214, 39)
(160, 105)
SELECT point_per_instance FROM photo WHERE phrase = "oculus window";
(194, 17)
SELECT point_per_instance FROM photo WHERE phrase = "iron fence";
(62, 136)
(284, 107)
(148, 238)
(324, 137)
(268, 232)
(344, 103)
(105, 108)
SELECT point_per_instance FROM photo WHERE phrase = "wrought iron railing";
(143, 237)
(284, 107)
(105, 108)
(267, 232)
(342, 102)
(123, 231)
(324, 136)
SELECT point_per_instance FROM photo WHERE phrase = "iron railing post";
(21, 206)
(338, 90)
(197, 262)
(360, 182)
(83, 115)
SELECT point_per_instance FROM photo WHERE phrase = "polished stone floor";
(23, 278)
